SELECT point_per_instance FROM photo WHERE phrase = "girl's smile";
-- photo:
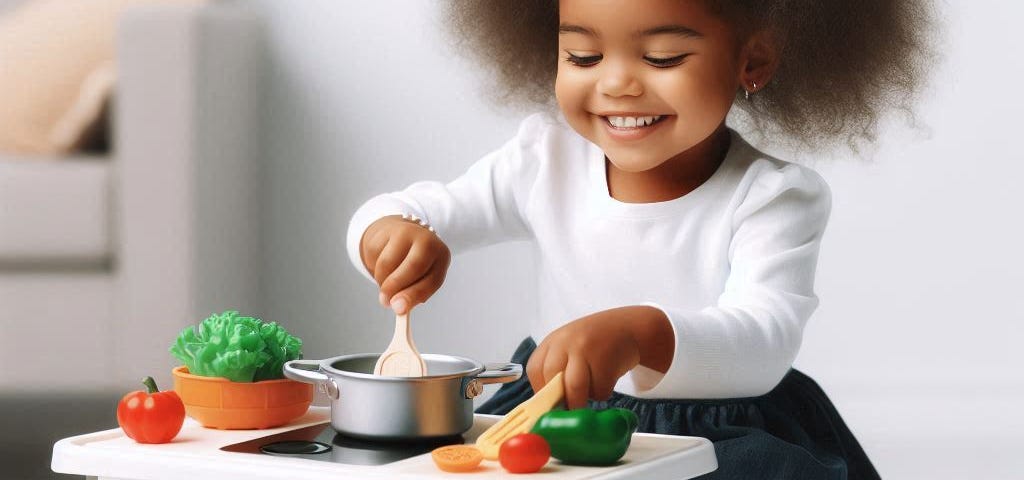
(632, 126)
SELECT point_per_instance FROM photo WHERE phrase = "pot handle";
(500, 373)
(308, 371)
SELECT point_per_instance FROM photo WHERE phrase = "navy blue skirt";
(792, 432)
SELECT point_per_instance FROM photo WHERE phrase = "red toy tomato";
(524, 453)
(151, 417)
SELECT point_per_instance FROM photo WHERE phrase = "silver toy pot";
(365, 405)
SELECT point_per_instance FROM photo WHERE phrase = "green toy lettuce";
(241, 349)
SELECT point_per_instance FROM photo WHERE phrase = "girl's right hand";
(407, 261)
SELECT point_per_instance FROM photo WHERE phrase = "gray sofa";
(104, 259)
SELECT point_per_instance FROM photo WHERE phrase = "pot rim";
(325, 366)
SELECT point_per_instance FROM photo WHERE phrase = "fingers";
(583, 377)
(544, 364)
(375, 238)
(415, 260)
(554, 362)
(601, 386)
(391, 256)
(535, 367)
(422, 289)
(577, 383)
(408, 262)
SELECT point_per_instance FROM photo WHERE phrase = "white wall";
(917, 337)
(363, 101)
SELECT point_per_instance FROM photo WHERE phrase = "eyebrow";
(677, 30)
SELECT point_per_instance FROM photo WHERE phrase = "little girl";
(677, 261)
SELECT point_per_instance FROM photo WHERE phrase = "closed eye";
(583, 61)
(666, 62)
(590, 60)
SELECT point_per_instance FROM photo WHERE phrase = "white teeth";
(632, 122)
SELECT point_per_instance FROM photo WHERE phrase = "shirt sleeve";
(752, 334)
(483, 206)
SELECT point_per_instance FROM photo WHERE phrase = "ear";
(758, 60)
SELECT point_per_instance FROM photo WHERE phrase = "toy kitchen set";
(396, 414)
(310, 449)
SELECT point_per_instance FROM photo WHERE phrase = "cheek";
(699, 95)
(571, 86)
(571, 94)
(725, 78)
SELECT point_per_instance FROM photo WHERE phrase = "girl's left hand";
(594, 351)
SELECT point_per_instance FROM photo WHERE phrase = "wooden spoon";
(521, 418)
(401, 359)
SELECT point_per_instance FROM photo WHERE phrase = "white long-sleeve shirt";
(731, 263)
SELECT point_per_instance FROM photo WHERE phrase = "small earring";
(746, 93)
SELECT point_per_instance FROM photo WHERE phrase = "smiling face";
(645, 80)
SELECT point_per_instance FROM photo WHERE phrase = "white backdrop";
(917, 337)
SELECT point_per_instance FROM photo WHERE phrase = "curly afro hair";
(842, 64)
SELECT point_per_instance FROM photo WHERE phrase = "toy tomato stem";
(150, 385)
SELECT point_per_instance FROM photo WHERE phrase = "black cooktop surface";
(323, 443)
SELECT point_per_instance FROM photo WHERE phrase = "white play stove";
(310, 449)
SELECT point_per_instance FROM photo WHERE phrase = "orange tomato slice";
(457, 458)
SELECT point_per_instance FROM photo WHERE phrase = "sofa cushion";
(55, 214)
(57, 72)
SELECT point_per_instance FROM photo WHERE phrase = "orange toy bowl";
(217, 402)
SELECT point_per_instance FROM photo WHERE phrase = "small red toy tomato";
(524, 453)
(151, 417)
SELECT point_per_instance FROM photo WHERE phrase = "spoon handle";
(403, 334)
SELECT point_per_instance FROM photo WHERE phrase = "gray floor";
(31, 423)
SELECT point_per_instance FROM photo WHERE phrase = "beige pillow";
(56, 72)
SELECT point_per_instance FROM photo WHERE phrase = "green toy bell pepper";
(587, 437)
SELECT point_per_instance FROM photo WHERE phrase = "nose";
(618, 80)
